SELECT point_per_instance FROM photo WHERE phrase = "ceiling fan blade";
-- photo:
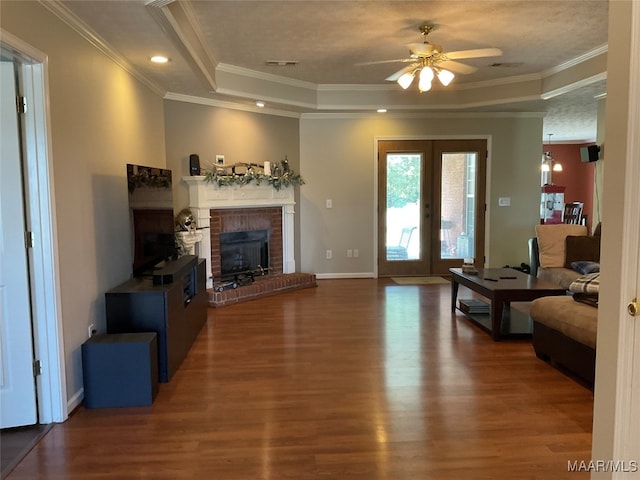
(399, 73)
(380, 62)
(477, 53)
(457, 67)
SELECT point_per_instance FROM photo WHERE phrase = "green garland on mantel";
(285, 180)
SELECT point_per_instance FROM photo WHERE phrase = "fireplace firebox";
(244, 252)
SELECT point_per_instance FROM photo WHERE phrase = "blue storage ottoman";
(120, 370)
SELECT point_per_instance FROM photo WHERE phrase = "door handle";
(633, 308)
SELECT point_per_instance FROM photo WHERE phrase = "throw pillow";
(551, 242)
(586, 284)
(581, 248)
(585, 267)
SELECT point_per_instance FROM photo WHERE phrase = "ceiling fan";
(428, 60)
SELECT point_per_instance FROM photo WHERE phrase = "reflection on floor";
(15, 443)
(420, 280)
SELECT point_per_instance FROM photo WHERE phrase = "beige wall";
(241, 136)
(101, 118)
(337, 161)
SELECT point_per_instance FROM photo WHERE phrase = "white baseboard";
(329, 276)
(75, 400)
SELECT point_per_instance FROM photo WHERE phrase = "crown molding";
(410, 115)
(179, 22)
(266, 98)
(69, 18)
(212, 102)
(574, 86)
(596, 52)
(268, 77)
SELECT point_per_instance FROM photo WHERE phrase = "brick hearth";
(262, 287)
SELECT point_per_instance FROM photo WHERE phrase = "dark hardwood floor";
(355, 379)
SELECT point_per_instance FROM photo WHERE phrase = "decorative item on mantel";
(278, 176)
(186, 233)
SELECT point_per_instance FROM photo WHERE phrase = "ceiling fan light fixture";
(426, 76)
(445, 76)
(406, 80)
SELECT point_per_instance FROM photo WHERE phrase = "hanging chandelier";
(548, 162)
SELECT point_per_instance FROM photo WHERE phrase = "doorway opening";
(39, 214)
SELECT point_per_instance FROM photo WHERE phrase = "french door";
(431, 205)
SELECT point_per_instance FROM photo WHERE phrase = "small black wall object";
(590, 153)
(194, 164)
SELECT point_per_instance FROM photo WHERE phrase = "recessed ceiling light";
(260, 104)
(382, 110)
(159, 59)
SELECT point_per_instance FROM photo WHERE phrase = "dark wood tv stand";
(172, 302)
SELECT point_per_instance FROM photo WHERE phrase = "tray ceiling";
(220, 50)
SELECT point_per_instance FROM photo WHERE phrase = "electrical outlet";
(356, 253)
(329, 254)
(329, 203)
(91, 330)
(349, 253)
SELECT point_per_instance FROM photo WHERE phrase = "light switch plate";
(504, 201)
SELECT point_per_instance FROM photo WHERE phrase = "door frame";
(40, 209)
(487, 230)
(617, 383)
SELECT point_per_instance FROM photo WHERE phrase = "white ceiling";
(218, 51)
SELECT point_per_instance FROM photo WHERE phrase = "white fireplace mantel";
(205, 196)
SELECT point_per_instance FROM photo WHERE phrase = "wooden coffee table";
(501, 286)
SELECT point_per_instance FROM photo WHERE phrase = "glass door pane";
(458, 202)
(403, 174)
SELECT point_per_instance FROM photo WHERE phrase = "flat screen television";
(151, 216)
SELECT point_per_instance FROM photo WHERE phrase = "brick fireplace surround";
(242, 208)
(242, 220)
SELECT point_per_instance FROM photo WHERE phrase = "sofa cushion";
(575, 320)
(551, 242)
(558, 275)
(581, 248)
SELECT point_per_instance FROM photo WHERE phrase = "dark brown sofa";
(565, 327)
(564, 334)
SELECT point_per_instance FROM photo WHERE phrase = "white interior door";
(17, 385)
